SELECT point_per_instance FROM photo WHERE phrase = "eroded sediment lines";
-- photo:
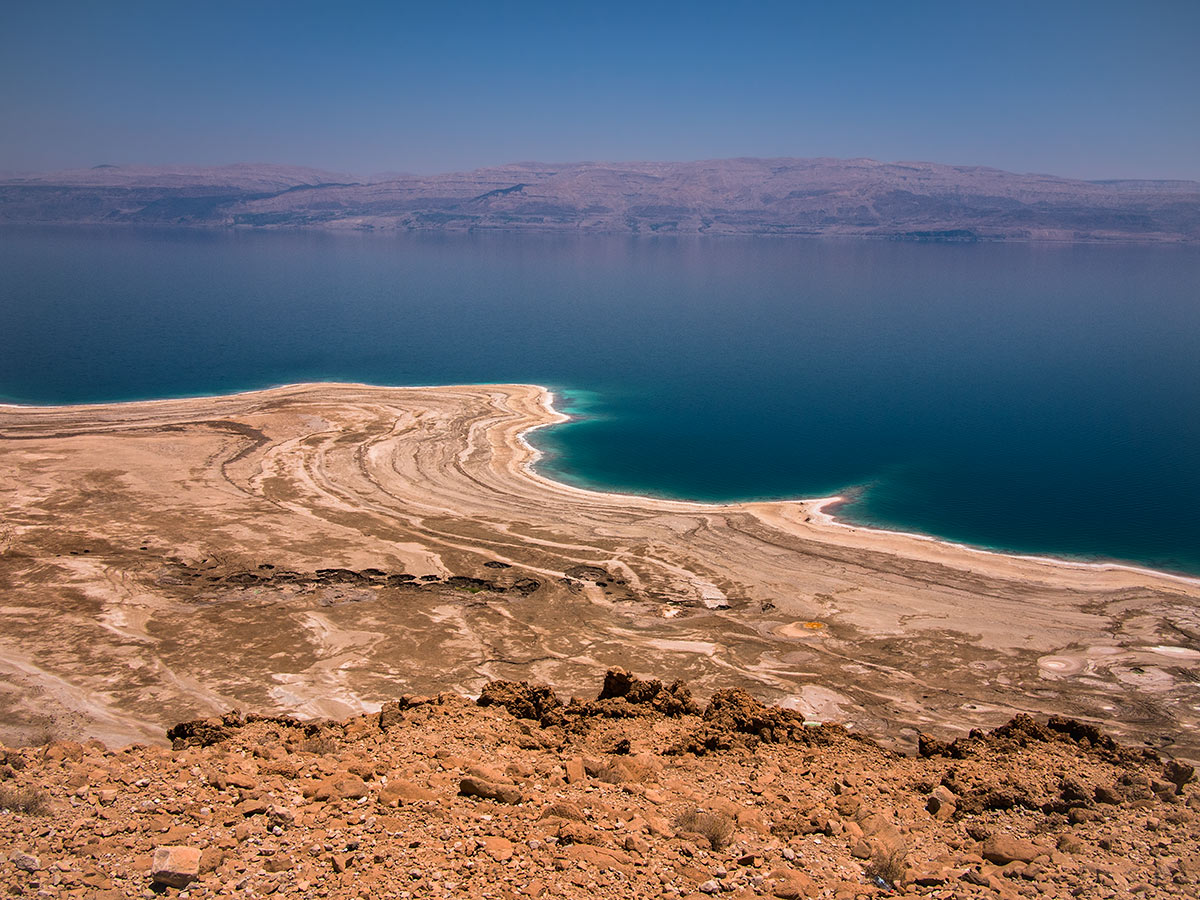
(321, 548)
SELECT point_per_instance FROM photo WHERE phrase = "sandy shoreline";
(910, 632)
(816, 506)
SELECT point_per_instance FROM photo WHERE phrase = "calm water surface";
(1034, 398)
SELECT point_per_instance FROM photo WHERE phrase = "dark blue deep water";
(1034, 398)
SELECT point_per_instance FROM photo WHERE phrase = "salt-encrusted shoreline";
(129, 526)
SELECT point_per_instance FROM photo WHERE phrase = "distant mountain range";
(902, 201)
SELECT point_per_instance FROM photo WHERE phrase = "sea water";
(1028, 397)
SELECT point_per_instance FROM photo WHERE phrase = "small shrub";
(888, 866)
(717, 828)
(31, 801)
(623, 770)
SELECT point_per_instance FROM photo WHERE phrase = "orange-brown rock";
(1002, 849)
(175, 866)
(472, 786)
(787, 816)
(397, 791)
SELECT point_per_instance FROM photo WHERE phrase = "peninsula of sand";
(320, 549)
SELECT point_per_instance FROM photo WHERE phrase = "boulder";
(175, 866)
(523, 700)
(578, 833)
(883, 836)
(26, 862)
(489, 790)
(1002, 849)
(791, 884)
(1179, 774)
(397, 793)
(636, 844)
(575, 770)
(498, 848)
(670, 700)
(601, 857)
(343, 786)
(563, 809)
(241, 780)
(390, 715)
(198, 733)
(941, 803)
(929, 746)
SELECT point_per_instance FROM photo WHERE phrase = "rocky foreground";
(638, 793)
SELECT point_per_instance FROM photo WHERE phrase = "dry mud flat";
(321, 549)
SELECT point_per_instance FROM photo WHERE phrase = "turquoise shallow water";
(1041, 399)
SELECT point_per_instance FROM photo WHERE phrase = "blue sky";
(1087, 89)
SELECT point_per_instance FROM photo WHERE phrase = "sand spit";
(165, 558)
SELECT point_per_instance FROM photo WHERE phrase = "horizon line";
(15, 174)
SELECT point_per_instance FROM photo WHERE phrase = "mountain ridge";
(776, 196)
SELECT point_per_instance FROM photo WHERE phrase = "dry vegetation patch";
(28, 800)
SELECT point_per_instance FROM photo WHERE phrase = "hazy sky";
(1091, 89)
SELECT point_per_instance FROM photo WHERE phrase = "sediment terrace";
(321, 549)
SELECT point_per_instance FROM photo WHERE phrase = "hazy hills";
(915, 201)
